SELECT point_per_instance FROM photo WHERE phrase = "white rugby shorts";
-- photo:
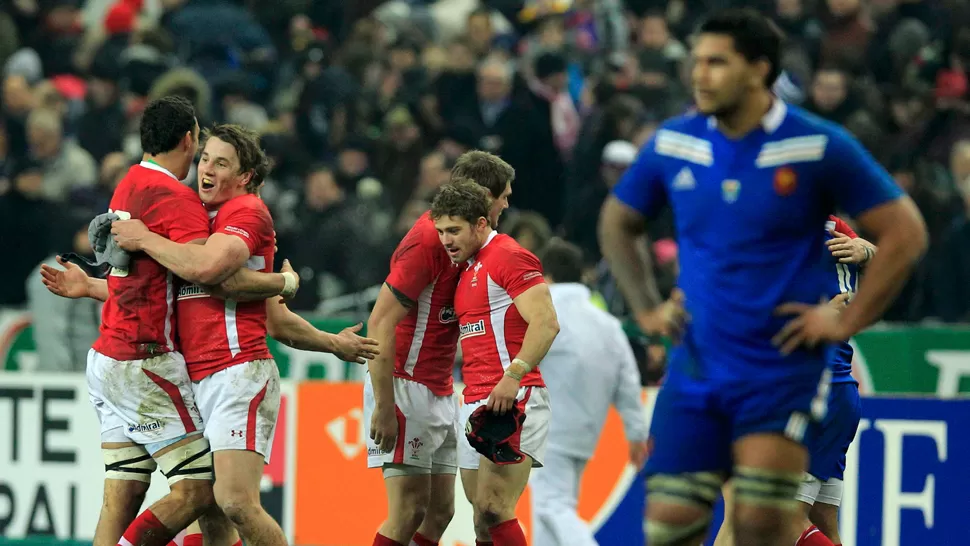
(535, 430)
(240, 405)
(142, 401)
(427, 428)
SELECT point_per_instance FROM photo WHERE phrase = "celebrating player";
(506, 322)
(750, 180)
(821, 491)
(224, 341)
(137, 379)
(410, 408)
(589, 367)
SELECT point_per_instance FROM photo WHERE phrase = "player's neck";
(165, 161)
(747, 116)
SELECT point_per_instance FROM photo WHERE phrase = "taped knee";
(192, 461)
(668, 534)
(769, 488)
(695, 489)
(128, 463)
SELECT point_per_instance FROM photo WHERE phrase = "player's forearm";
(191, 262)
(538, 339)
(248, 285)
(98, 289)
(631, 268)
(295, 331)
(381, 367)
(886, 274)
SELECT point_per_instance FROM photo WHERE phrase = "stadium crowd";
(364, 106)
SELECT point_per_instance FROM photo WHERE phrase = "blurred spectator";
(951, 289)
(529, 229)
(29, 232)
(66, 165)
(331, 246)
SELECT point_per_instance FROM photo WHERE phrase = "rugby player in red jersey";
(506, 323)
(410, 409)
(137, 378)
(235, 380)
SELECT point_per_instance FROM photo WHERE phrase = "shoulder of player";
(802, 123)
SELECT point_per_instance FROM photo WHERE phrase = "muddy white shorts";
(427, 428)
(535, 430)
(240, 405)
(147, 401)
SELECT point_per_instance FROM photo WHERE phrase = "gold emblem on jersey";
(730, 190)
(785, 181)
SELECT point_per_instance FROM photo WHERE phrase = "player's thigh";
(500, 486)
(442, 501)
(534, 402)
(426, 423)
(238, 476)
(153, 398)
(688, 434)
(831, 441)
(240, 406)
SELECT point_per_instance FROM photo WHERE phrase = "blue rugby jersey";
(748, 213)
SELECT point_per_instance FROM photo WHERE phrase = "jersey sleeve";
(180, 215)
(412, 266)
(519, 271)
(642, 185)
(844, 228)
(856, 181)
(247, 223)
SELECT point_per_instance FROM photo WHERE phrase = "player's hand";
(638, 454)
(839, 302)
(288, 267)
(350, 347)
(70, 282)
(383, 427)
(813, 324)
(129, 234)
(667, 319)
(503, 395)
(846, 249)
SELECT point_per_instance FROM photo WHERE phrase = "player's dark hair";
(164, 123)
(461, 198)
(252, 158)
(562, 260)
(488, 170)
(755, 36)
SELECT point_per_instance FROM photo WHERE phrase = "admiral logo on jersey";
(471, 329)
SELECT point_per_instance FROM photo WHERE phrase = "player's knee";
(124, 496)
(440, 514)
(765, 505)
(235, 502)
(494, 511)
(191, 462)
(194, 494)
(680, 506)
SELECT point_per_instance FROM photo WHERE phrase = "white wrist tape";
(518, 369)
(289, 284)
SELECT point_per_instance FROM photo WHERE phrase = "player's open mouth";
(207, 184)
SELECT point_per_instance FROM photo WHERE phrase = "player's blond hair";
(461, 198)
(245, 141)
(488, 170)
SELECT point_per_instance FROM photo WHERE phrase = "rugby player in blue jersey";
(750, 180)
(820, 493)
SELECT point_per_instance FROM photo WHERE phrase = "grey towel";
(105, 248)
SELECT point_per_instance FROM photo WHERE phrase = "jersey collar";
(770, 122)
(156, 167)
(471, 261)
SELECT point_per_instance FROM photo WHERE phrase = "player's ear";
(762, 68)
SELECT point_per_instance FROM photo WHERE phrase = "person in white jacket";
(589, 367)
